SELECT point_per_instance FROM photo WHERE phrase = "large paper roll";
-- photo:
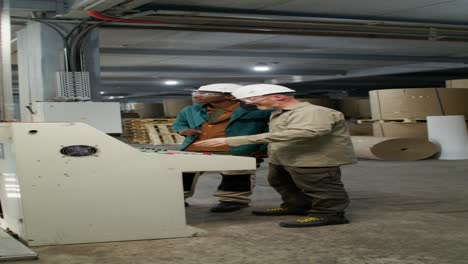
(396, 149)
(450, 133)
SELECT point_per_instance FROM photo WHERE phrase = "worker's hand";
(214, 142)
(189, 132)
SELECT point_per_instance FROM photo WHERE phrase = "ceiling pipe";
(427, 31)
(307, 19)
(278, 27)
(100, 16)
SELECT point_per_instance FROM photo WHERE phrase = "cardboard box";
(325, 102)
(400, 129)
(417, 103)
(461, 83)
(354, 107)
(454, 101)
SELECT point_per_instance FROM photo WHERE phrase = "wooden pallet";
(162, 134)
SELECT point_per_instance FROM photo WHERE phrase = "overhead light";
(261, 67)
(101, 92)
(171, 82)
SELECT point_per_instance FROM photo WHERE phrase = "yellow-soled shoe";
(277, 211)
(314, 221)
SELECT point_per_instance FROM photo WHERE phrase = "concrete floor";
(401, 212)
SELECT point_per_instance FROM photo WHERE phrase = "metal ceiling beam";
(150, 80)
(205, 10)
(135, 3)
(272, 55)
(214, 71)
(378, 71)
(297, 31)
(361, 31)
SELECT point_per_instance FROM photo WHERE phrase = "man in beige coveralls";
(307, 146)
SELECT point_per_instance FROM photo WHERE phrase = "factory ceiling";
(335, 47)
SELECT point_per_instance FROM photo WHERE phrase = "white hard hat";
(220, 87)
(260, 89)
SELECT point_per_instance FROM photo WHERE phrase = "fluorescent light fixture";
(13, 195)
(261, 67)
(171, 82)
(9, 179)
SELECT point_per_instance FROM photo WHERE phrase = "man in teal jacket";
(217, 114)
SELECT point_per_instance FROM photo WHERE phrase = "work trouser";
(235, 186)
(318, 190)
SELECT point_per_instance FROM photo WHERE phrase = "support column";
(7, 107)
(41, 54)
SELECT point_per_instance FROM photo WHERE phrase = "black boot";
(224, 207)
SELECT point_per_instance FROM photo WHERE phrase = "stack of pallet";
(155, 131)
(403, 112)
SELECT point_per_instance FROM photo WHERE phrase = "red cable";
(99, 15)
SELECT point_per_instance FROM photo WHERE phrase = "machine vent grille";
(78, 151)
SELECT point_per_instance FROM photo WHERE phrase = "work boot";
(314, 221)
(224, 207)
(278, 211)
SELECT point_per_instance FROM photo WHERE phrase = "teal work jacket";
(242, 122)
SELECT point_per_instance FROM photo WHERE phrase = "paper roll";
(450, 134)
(396, 149)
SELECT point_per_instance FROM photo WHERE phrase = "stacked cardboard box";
(402, 112)
(461, 83)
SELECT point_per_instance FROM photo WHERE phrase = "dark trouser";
(313, 189)
(235, 186)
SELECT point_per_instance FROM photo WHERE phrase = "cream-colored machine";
(65, 183)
